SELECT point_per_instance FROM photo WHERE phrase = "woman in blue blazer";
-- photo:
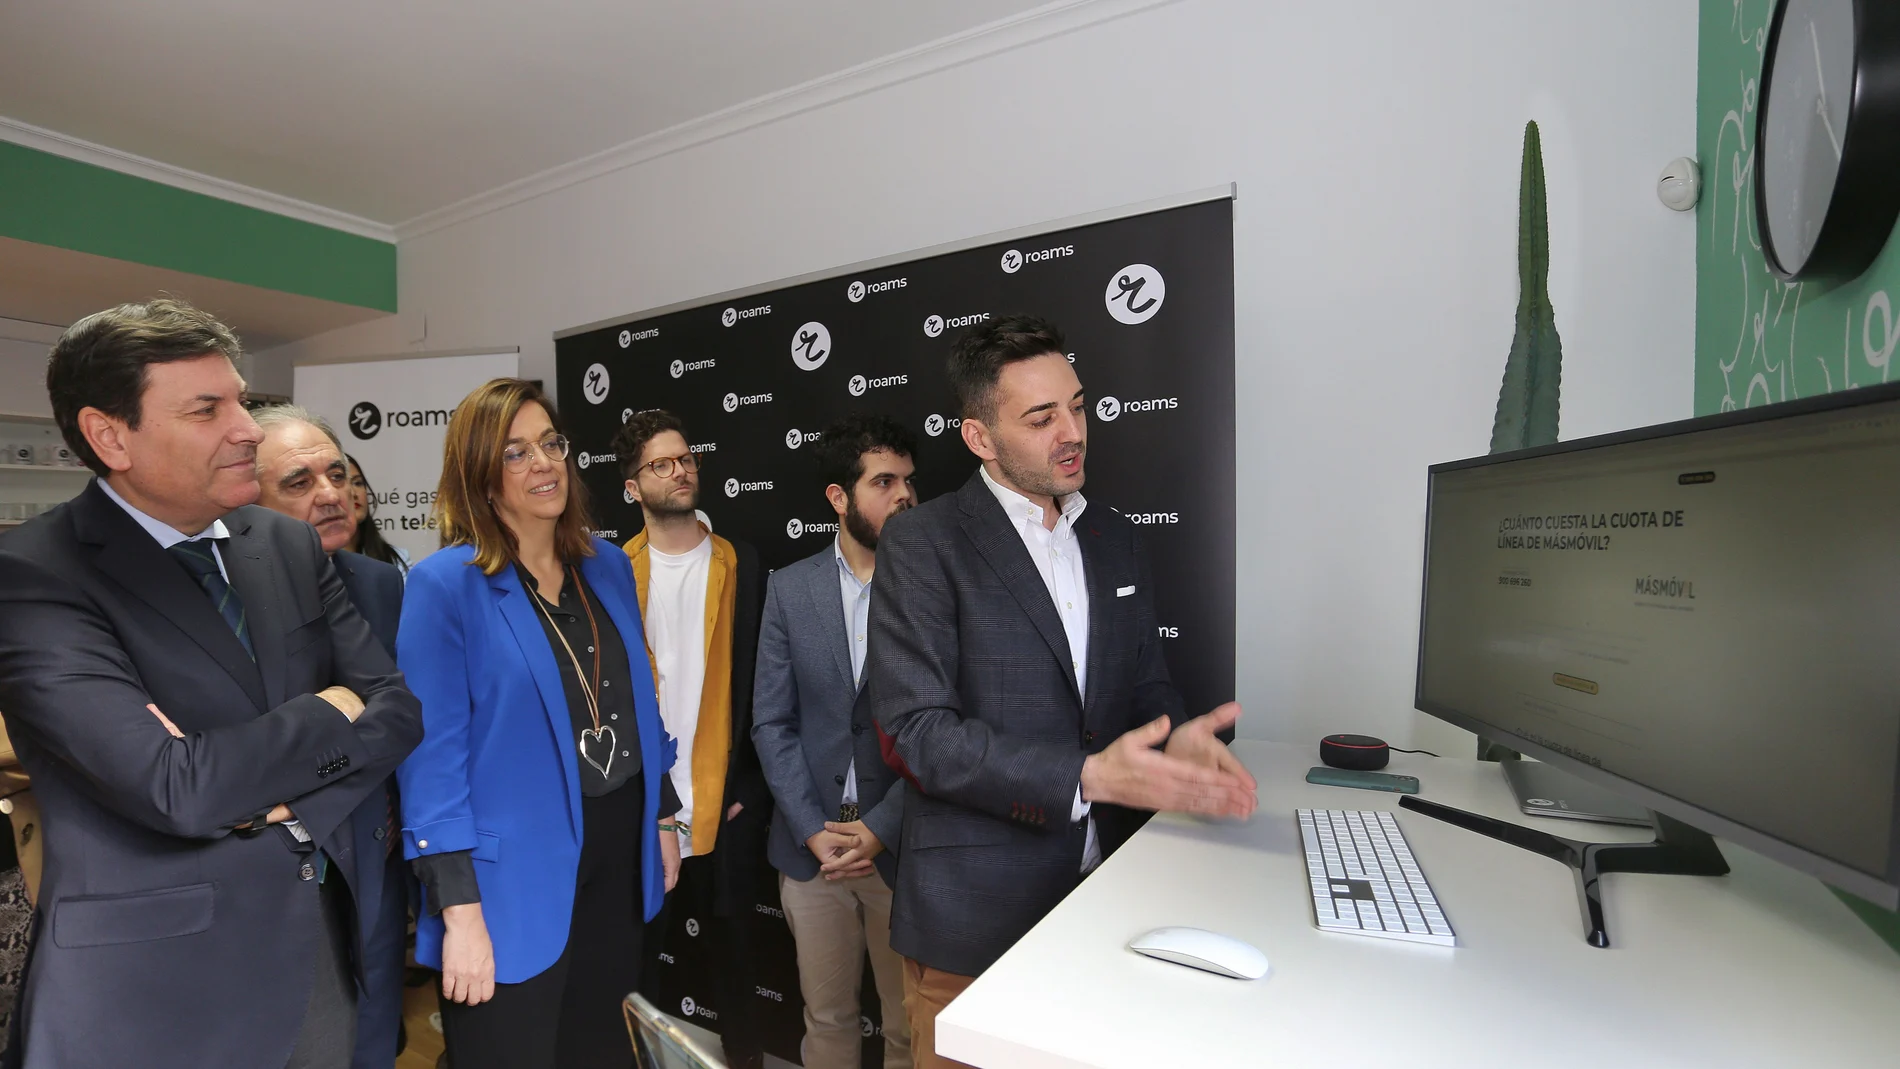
(537, 809)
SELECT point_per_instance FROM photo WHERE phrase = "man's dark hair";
(842, 447)
(632, 438)
(978, 358)
(100, 362)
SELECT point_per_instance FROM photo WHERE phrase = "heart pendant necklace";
(598, 738)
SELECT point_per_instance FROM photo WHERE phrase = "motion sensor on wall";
(1680, 184)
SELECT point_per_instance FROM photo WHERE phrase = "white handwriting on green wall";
(1759, 339)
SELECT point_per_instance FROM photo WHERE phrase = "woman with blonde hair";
(537, 809)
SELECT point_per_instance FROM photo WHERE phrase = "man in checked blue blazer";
(839, 807)
(1014, 662)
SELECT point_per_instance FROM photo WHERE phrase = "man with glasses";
(699, 598)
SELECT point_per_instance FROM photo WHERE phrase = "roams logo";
(936, 324)
(859, 383)
(1014, 259)
(1135, 293)
(681, 367)
(1110, 409)
(587, 459)
(628, 337)
(811, 346)
(1151, 518)
(733, 315)
(795, 437)
(734, 400)
(689, 1008)
(796, 528)
(594, 383)
(734, 487)
(366, 420)
(935, 424)
(857, 290)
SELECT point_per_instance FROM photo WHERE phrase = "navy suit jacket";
(969, 671)
(375, 589)
(163, 938)
(497, 772)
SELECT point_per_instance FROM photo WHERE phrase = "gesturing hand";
(1133, 773)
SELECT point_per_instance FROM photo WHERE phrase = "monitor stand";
(1543, 791)
(1678, 850)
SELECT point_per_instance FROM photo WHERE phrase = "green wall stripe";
(55, 201)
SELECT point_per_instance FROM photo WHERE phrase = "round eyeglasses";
(664, 467)
(516, 456)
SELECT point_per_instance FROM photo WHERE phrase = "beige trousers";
(834, 923)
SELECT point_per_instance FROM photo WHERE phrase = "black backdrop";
(1147, 303)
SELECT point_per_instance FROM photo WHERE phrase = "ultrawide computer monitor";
(1703, 616)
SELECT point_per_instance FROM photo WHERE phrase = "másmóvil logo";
(1134, 294)
(594, 383)
(811, 346)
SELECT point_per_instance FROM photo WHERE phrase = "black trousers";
(569, 1017)
(725, 942)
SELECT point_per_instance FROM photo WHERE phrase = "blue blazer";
(497, 771)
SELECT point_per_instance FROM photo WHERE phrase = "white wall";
(1376, 149)
(23, 349)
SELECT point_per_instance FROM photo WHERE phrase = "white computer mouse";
(1198, 948)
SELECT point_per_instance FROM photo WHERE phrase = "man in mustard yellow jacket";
(699, 599)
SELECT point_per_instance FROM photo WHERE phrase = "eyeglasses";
(516, 457)
(663, 467)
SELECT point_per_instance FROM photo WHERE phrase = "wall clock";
(1827, 137)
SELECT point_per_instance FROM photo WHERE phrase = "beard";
(667, 503)
(1031, 477)
(860, 527)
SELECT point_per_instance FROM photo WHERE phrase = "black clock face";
(1810, 83)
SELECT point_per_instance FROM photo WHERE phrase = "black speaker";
(1361, 753)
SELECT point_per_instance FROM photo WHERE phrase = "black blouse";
(608, 761)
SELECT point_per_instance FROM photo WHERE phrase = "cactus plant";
(1533, 372)
(1528, 400)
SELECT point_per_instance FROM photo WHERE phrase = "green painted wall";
(1759, 340)
(55, 201)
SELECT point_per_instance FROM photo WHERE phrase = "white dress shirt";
(1057, 555)
(167, 535)
(856, 596)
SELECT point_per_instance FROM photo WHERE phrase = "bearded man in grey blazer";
(839, 806)
(1015, 662)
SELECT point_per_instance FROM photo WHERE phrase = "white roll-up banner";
(393, 416)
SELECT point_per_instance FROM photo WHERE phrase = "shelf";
(22, 417)
(47, 468)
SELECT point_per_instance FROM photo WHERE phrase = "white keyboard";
(1364, 880)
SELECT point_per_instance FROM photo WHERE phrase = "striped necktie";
(202, 563)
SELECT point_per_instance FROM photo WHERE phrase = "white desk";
(1763, 967)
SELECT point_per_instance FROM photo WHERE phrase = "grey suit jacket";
(969, 672)
(809, 724)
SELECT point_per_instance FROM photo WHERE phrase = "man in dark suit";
(302, 474)
(201, 710)
(1014, 662)
(835, 827)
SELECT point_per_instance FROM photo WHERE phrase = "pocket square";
(1124, 591)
